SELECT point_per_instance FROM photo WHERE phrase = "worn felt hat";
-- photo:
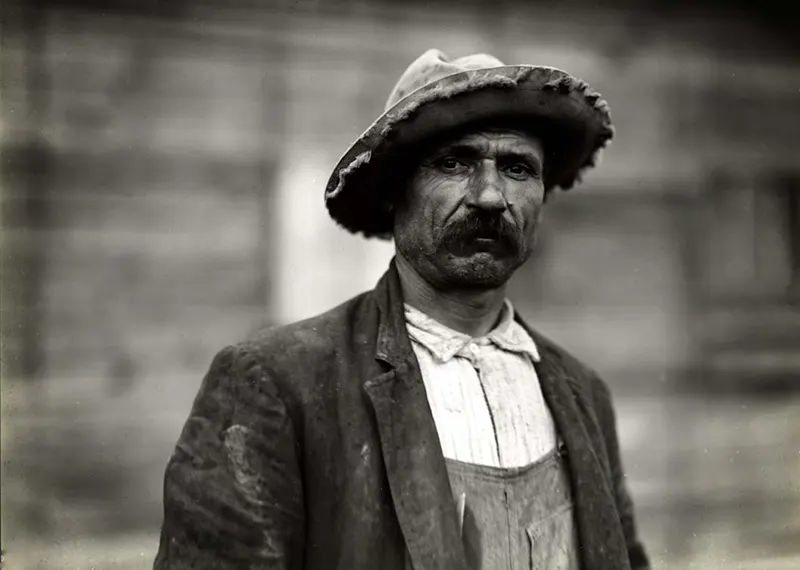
(436, 96)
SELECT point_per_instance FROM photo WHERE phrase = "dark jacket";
(312, 446)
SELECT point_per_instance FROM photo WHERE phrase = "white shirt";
(483, 392)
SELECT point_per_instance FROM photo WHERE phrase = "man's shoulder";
(291, 361)
(319, 333)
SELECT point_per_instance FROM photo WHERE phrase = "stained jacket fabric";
(312, 446)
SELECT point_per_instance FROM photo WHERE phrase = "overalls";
(517, 518)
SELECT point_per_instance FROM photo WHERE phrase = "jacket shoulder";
(287, 361)
(307, 341)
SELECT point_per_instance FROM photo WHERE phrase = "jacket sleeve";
(607, 418)
(232, 488)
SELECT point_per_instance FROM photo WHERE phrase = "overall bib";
(516, 518)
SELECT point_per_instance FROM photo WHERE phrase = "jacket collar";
(393, 346)
(415, 466)
(600, 536)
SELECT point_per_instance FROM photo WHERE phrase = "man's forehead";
(505, 139)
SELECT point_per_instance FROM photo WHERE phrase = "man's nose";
(486, 191)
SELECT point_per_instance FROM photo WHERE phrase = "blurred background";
(163, 167)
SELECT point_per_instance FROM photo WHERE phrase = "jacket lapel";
(601, 542)
(415, 467)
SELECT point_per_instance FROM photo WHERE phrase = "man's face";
(469, 214)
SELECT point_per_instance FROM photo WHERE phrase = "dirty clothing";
(312, 446)
(484, 392)
(518, 518)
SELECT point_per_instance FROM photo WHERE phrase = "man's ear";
(396, 185)
(387, 205)
(394, 195)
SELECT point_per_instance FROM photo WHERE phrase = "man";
(422, 424)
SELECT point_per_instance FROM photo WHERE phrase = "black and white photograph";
(374, 285)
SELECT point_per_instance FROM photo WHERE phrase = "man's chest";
(488, 408)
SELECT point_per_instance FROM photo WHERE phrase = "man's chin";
(479, 270)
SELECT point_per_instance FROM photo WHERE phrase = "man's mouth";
(484, 244)
(483, 240)
(481, 236)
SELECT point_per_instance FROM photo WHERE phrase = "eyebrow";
(473, 151)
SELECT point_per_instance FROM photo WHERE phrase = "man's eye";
(519, 170)
(450, 164)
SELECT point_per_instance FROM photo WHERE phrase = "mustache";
(482, 225)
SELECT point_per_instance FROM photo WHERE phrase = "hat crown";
(432, 66)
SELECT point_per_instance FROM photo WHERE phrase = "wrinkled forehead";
(490, 140)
